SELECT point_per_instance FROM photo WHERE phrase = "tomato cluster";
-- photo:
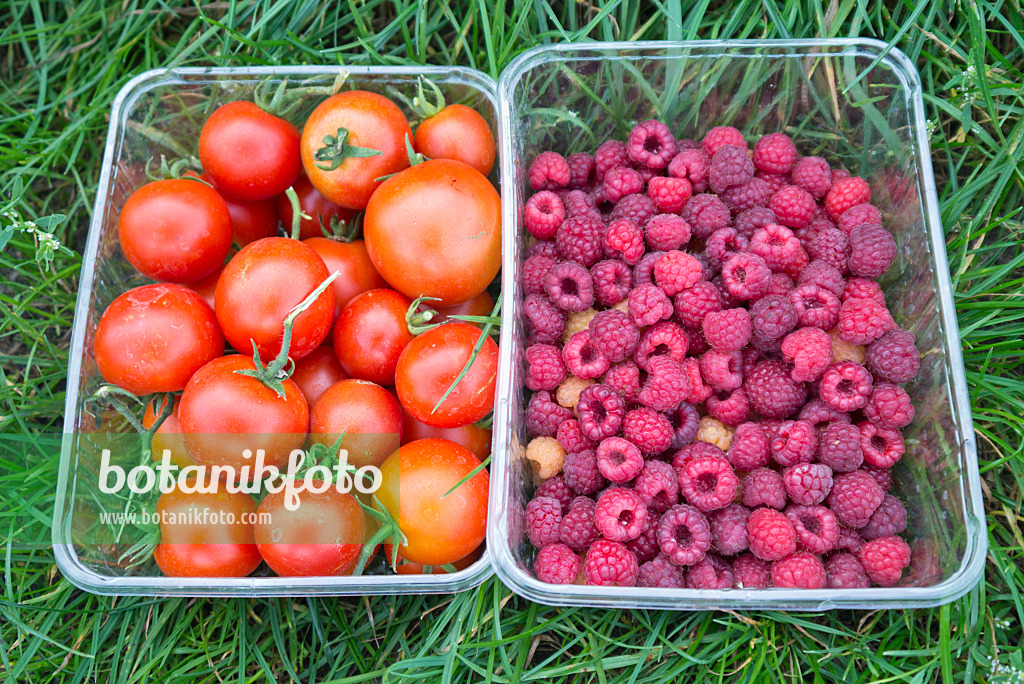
(257, 352)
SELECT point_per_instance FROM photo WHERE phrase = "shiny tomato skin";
(481, 305)
(471, 436)
(440, 529)
(435, 230)
(168, 435)
(249, 153)
(251, 220)
(430, 364)
(356, 273)
(460, 133)
(178, 231)
(316, 206)
(261, 285)
(366, 417)
(207, 287)
(154, 337)
(316, 372)
(214, 548)
(374, 122)
(371, 333)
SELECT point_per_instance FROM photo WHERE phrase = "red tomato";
(323, 537)
(460, 133)
(471, 436)
(167, 436)
(372, 122)
(429, 365)
(249, 154)
(153, 338)
(207, 287)
(316, 372)
(407, 567)
(175, 230)
(366, 416)
(481, 305)
(217, 541)
(320, 209)
(223, 413)
(260, 285)
(439, 529)
(356, 273)
(252, 220)
(435, 230)
(371, 333)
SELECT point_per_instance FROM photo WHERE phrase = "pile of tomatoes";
(242, 344)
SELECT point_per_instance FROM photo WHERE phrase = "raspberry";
(862, 213)
(729, 529)
(845, 386)
(581, 240)
(889, 406)
(545, 456)
(581, 169)
(638, 208)
(669, 194)
(579, 204)
(831, 246)
(883, 476)
(535, 269)
(543, 248)
(710, 573)
(687, 144)
(730, 166)
(775, 153)
(751, 572)
(731, 409)
(882, 447)
(727, 330)
(600, 412)
(578, 531)
(793, 206)
(771, 535)
(720, 136)
(795, 441)
(661, 339)
(651, 144)
(545, 368)
(620, 515)
(685, 422)
(624, 239)
(824, 275)
(854, 497)
(799, 571)
(771, 390)
(622, 181)
(548, 171)
(643, 272)
(722, 243)
(613, 335)
(661, 573)
(748, 221)
(812, 174)
(845, 572)
(722, 370)
(610, 564)
(675, 271)
(690, 452)
(890, 518)
(807, 483)
(696, 302)
(773, 316)
(815, 306)
(544, 321)
(839, 447)
(570, 286)
(612, 281)
(543, 214)
(695, 391)
(777, 246)
(557, 489)
(684, 535)
(581, 473)
(624, 378)
(691, 165)
(775, 181)
(582, 358)
(657, 486)
(764, 487)
(556, 564)
(648, 304)
(749, 447)
(665, 385)
(705, 214)
(816, 412)
(746, 276)
(543, 520)
(810, 352)
(714, 431)
(543, 416)
(609, 155)
(894, 357)
(666, 232)
(618, 459)
(863, 288)
(645, 545)
(872, 251)
(570, 436)
(849, 540)
(884, 560)
(708, 483)
(568, 393)
(845, 194)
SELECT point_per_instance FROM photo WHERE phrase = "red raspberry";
(581, 473)
(557, 489)
(676, 271)
(571, 438)
(543, 214)
(728, 330)
(543, 521)
(862, 321)
(883, 476)
(657, 486)
(889, 406)
(807, 483)
(863, 288)
(746, 276)
(545, 368)
(890, 518)
(578, 531)
(710, 573)
(665, 385)
(824, 275)
(730, 166)
(810, 352)
(545, 322)
(624, 239)
(651, 144)
(705, 214)
(661, 573)
(749, 448)
(696, 302)
(614, 335)
(549, 171)
(862, 213)
(775, 181)
(570, 286)
(845, 386)
(637, 208)
(648, 304)
(832, 246)
(666, 231)
(795, 441)
(581, 240)
(581, 169)
(609, 155)
(816, 412)
(661, 339)
(620, 515)
(684, 535)
(579, 204)
(535, 269)
(751, 572)
(543, 248)
(600, 410)
(872, 251)
(854, 497)
(691, 165)
(610, 564)
(882, 447)
(799, 571)
(722, 370)
(775, 153)
(556, 564)
(849, 540)
(845, 572)
(894, 357)
(777, 246)
(708, 483)
(685, 423)
(771, 390)
(720, 136)
(845, 194)
(669, 194)
(695, 391)
(618, 459)
(645, 546)
(729, 529)
(764, 487)
(793, 206)
(812, 174)
(624, 378)
(884, 560)
(839, 447)
(749, 220)
(582, 358)
(643, 272)
(724, 242)
(731, 408)
(815, 306)
(817, 529)
(773, 316)
(771, 534)
(690, 452)
(622, 181)
(544, 415)
(612, 281)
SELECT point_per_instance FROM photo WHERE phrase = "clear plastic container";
(162, 112)
(853, 102)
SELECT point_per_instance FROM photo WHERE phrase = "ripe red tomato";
(460, 133)
(167, 436)
(260, 285)
(372, 122)
(153, 338)
(316, 372)
(356, 273)
(249, 154)
(175, 230)
(217, 541)
(471, 436)
(366, 417)
(207, 287)
(223, 413)
(407, 567)
(429, 365)
(322, 537)
(481, 305)
(439, 529)
(371, 333)
(316, 206)
(435, 230)
(250, 220)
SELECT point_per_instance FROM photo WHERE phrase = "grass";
(61, 65)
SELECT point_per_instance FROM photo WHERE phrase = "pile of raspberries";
(716, 379)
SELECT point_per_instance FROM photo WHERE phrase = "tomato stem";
(178, 169)
(484, 334)
(389, 529)
(297, 213)
(336, 150)
(414, 159)
(340, 229)
(421, 106)
(283, 102)
(417, 321)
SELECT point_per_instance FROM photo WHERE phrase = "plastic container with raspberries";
(731, 374)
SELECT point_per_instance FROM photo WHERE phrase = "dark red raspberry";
(722, 370)
(746, 276)
(720, 136)
(609, 155)
(731, 408)
(618, 459)
(884, 560)
(839, 447)
(535, 269)
(771, 390)
(661, 573)
(543, 521)
(638, 208)
(581, 169)
(571, 438)
(600, 410)
(763, 487)
(543, 248)
(657, 486)
(710, 573)
(666, 232)
(730, 166)
(708, 483)
(849, 540)
(582, 358)
(624, 378)
(777, 246)
(544, 415)
(825, 275)
(684, 535)
(691, 165)
(557, 564)
(775, 153)
(727, 330)
(557, 489)
(649, 304)
(651, 144)
(812, 174)
(548, 171)
(665, 385)
(581, 473)
(882, 447)
(690, 452)
(624, 239)
(854, 497)
(579, 204)
(705, 214)
(863, 288)
(614, 335)
(685, 423)
(890, 518)
(795, 441)
(872, 251)
(773, 316)
(845, 194)
(545, 368)
(799, 571)
(815, 306)
(643, 272)
(661, 339)
(610, 564)
(832, 246)
(622, 181)
(771, 535)
(793, 206)
(543, 214)
(748, 221)
(695, 391)
(845, 572)
(807, 483)
(816, 412)
(883, 476)
(545, 322)
(894, 357)
(675, 271)
(570, 286)
(751, 572)
(810, 352)
(729, 529)
(889, 406)
(669, 194)
(578, 531)
(645, 545)
(775, 181)
(862, 213)
(620, 515)
(581, 240)
(696, 302)
(845, 386)
(613, 280)
(722, 243)
(749, 448)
